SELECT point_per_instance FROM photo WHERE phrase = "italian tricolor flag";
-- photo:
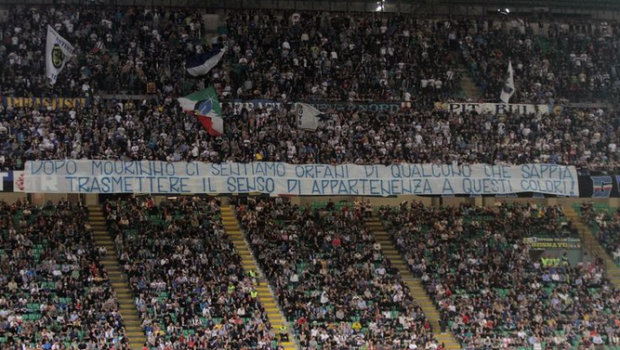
(205, 105)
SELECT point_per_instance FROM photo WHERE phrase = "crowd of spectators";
(189, 286)
(491, 291)
(553, 62)
(273, 55)
(342, 57)
(153, 131)
(292, 57)
(117, 50)
(331, 279)
(606, 224)
(54, 291)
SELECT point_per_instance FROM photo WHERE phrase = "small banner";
(543, 243)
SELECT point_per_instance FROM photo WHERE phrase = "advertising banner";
(543, 243)
(45, 102)
(494, 108)
(373, 107)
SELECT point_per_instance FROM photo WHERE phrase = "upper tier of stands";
(491, 293)
(578, 61)
(316, 56)
(190, 288)
(331, 279)
(311, 55)
(54, 291)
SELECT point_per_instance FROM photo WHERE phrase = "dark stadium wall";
(555, 8)
(11, 198)
(94, 199)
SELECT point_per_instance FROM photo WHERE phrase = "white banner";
(307, 116)
(102, 176)
(57, 52)
(509, 86)
(494, 108)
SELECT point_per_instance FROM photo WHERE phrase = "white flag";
(509, 86)
(202, 64)
(57, 52)
(307, 116)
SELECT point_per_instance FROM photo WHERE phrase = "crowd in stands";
(298, 57)
(491, 292)
(283, 56)
(606, 224)
(54, 291)
(331, 56)
(575, 61)
(116, 50)
(189, 286)
(312, 55)
(331, 279)
(152, 131)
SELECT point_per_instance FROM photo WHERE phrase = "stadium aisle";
(593, 245)
(415, 286)
(231, 225)
(102, 238)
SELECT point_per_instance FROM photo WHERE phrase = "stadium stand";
(162, 132)
(313, 55)
(332, 281)
(475, 264)
(316, 56)
(576, 62)
(186, 275)
(55, 293)
(124, 296)
(339, 57)
(589, 236)
(117, 50)
(264, 273)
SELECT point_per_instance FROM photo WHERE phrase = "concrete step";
(264, 293)
(111, 261)
(125, 299)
